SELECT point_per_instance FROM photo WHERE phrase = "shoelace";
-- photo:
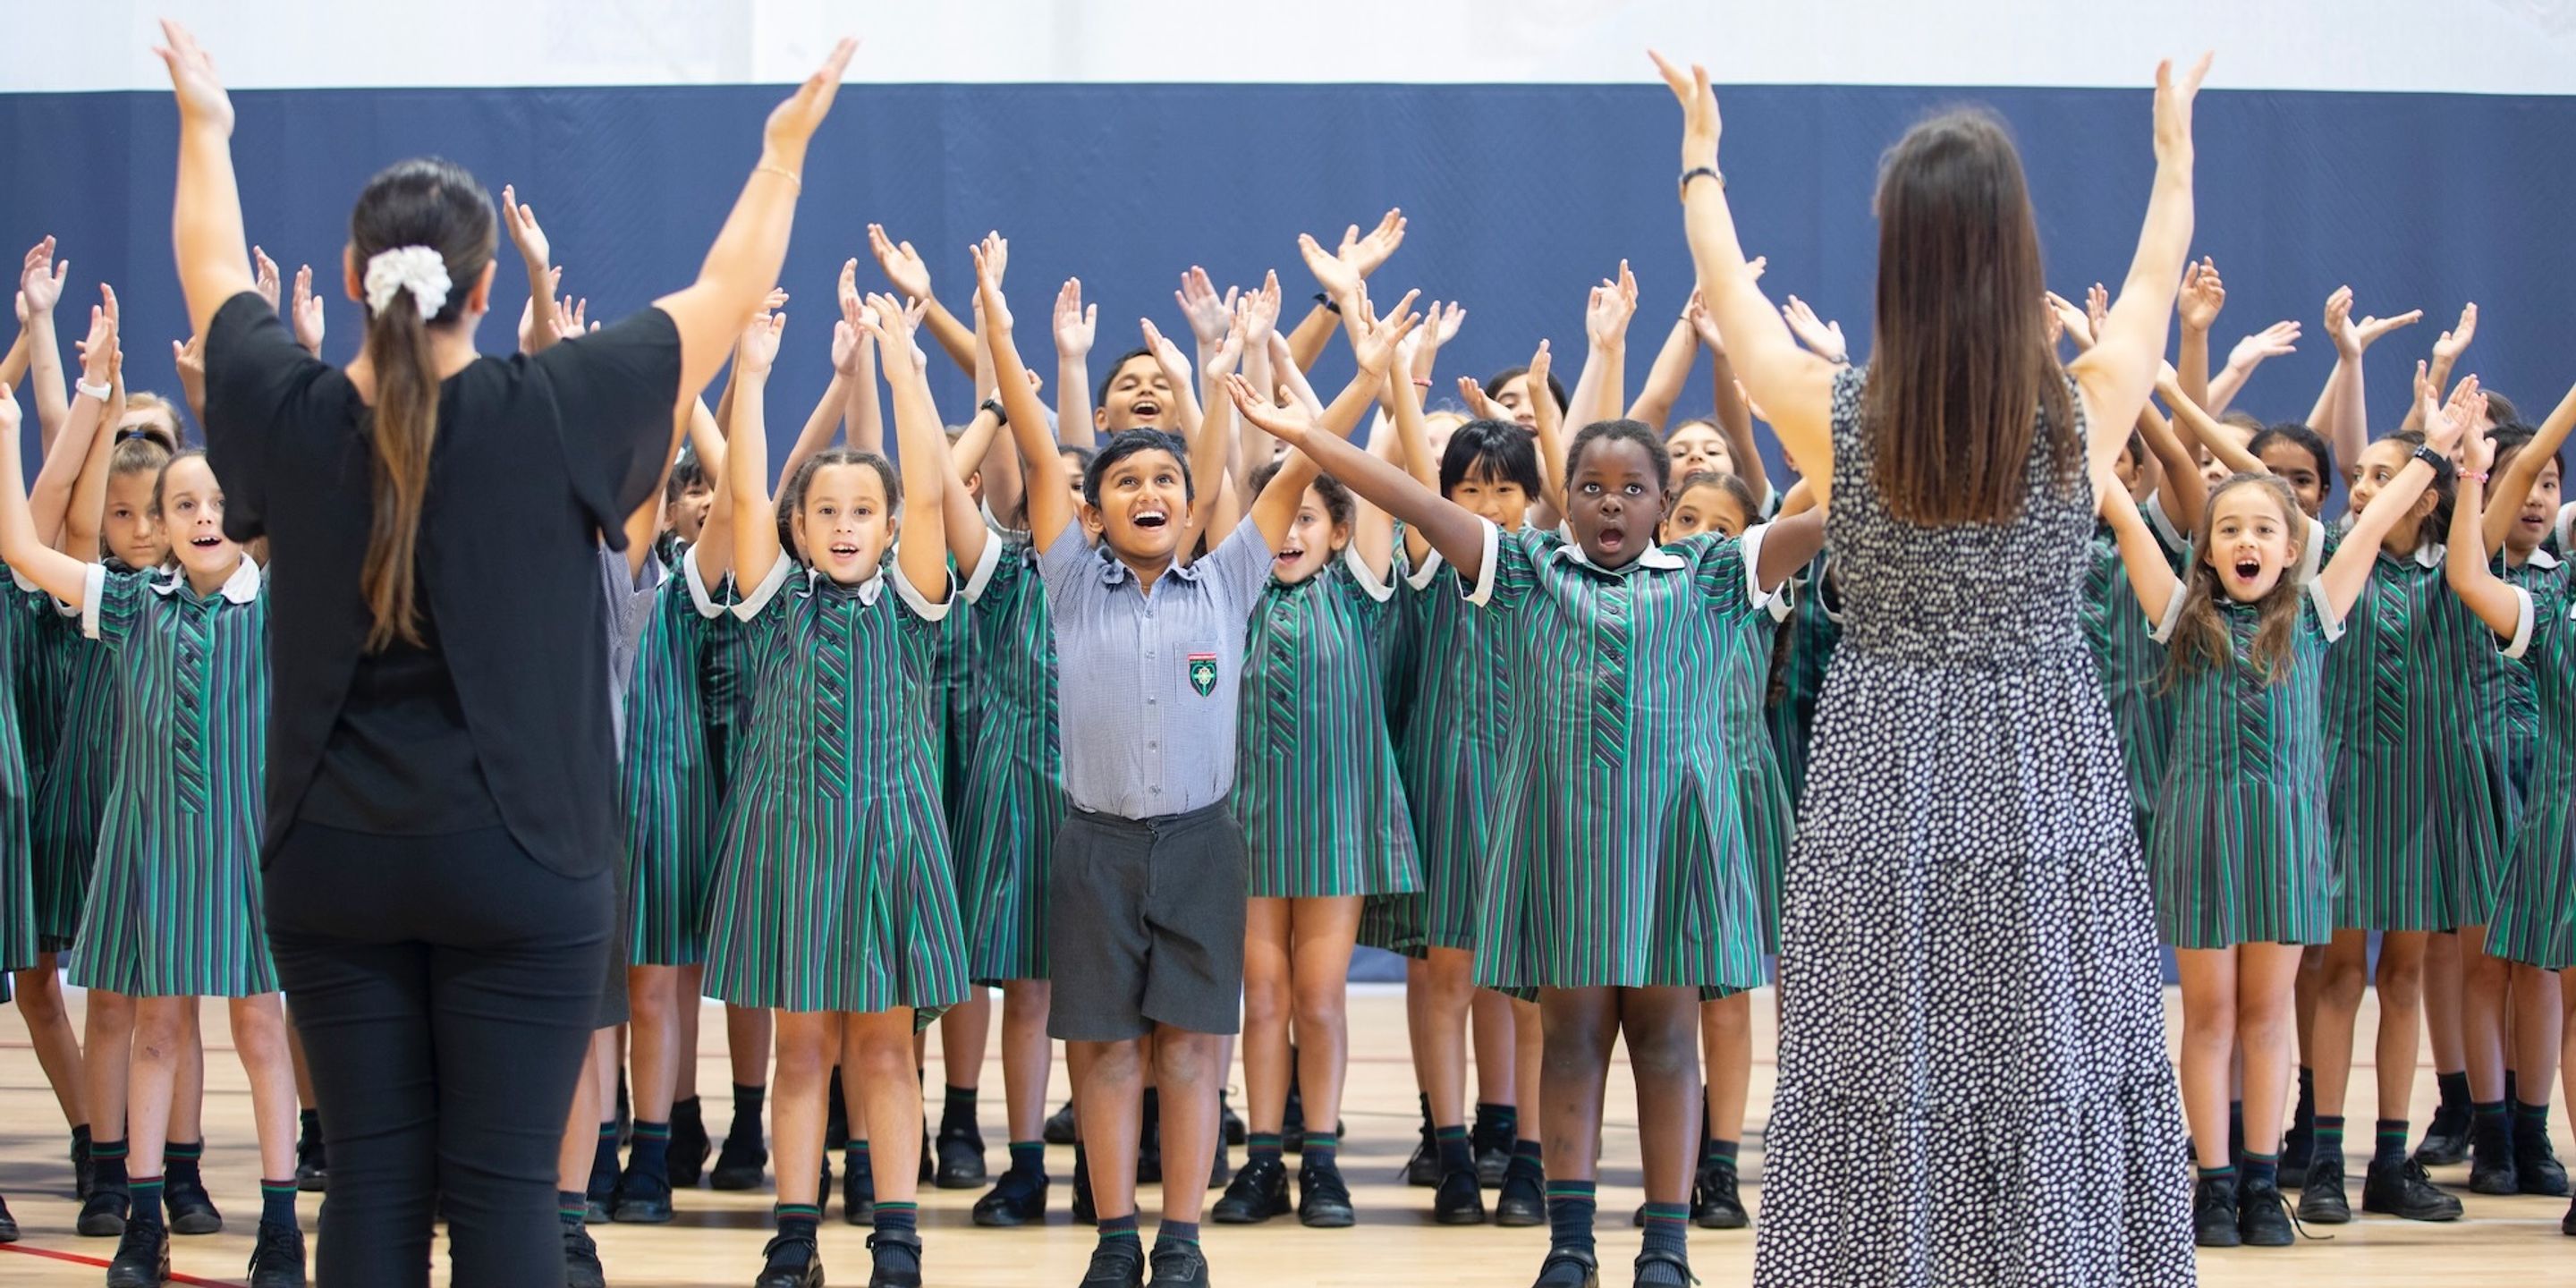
(2295, 1222)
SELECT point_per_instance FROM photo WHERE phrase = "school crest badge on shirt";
(1203, 673)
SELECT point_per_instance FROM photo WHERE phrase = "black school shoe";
(142, 1256)
(192, 1210)
(2535, 1164)
(895, 1260)
(1422, 1167)
(1179, 1265)
(1659, 1269)
(741, 1164)
(2298, 1145)
(2263, 1217)
(1459, 1201)
(961, 1159)
(1323, 1197)
(1259, 1192)
(858, 1198)
(2402, 1189)
(1523, 1202)
(312, 1162)
(1059, 1129)
(1084, 1213)
(1715, 1202)
(1230, 1121)
(1016, 1199)
(2321, 1199)
(8, 1224)
(1569, 1268)
(581, 1260)
(277, 1261)
(84, 1169)
(790, 1262)
(1117, 1263)
(688, 1148)
(2567, 1223)
(2213, 1212)
(641, 1200)
(2491, 1169)
(2446, 1138)
(103, 1215)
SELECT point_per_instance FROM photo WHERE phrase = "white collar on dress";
(241, 587)
(867, 590)
(1571, 550)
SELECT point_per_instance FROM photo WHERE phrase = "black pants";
(445, 989)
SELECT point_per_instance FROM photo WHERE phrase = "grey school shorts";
(1145, 925)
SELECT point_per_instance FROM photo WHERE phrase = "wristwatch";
(994, 405)
(2442, 468)
(1695, 172)
(1327, 303)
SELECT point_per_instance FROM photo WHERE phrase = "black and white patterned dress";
(1973, 1081)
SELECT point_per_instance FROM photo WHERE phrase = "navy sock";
(650, 1155)
(1496, 1125)
(2455, 1089)
(2235, 1128)
(277, 1202)
(2511, 1092)
(1171, 1231)
(147, 1200)
(1527, 1162)
(1118, 1229)
(603, 1160)
(1570, 1206)
(1323, 1149)
(1028, 1158)
(898, 1217)
(746, 1109)
(1456, 1155)
(2227, 1173)
(1667, 1226)
(798, 1220)
(2262, 1170)
(572, 1207)
(2391, 1146)
(854, 1158)
(957, 1113)
(2484, 1109)
(2304, 1118)
(2531, 1120)
(1260, 1145)
(1719, 1153)
(107, 1160)
(2329, 1140)
(179, 1164)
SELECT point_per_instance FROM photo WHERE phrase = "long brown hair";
(432, 202)
(1962, 377)
(2200, 638)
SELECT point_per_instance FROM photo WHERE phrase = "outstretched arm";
(2203, 295)
(2349, 571)
(40, 288)
(58, 574)
(1671, 370)
(755, 511)
(1050, 484)
(1374, 341)
(1733, 415)
(2140, 552)
(921, 551)
(2465, 564)
(1458, 535)
(66, 462)
(2276, 340)
(904, 267)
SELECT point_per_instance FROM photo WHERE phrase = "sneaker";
(1660, 1269)
(741, 1164)
(1523, 1202)
(2491, 1169)
(2264, 1218)
(1084, 1213)
(1323, 1198)
(790, 1263)
(2321, 1198)
(1259, 1192)
(895, 1258)
(1116, 1263)
(103, 1216)
(688, 1148)
(961, 1159)
(1230, 1121)
(581, 1260)
(8, 1224)
(1460, 1201)
(2213, 1212)
(1059, 1126)
(1016, 1199)
(2446, 1138)
(192, 1210)
(1569, 1268)
(312, 1164)
(2403, 1190)
(2536, 1165)
(641, 1200)
(1179, 1265)
(1715, 1203)
(142, 1256)
(277, 1261)
(858, 1198)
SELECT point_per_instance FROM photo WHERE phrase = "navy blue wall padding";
(1519, 197)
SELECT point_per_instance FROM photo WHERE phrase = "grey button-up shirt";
(1146, 685)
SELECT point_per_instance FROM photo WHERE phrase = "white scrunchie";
(416, 269)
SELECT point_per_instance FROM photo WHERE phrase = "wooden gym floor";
(717, 1237)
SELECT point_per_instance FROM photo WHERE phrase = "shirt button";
(1153, 746)
(1151, 701)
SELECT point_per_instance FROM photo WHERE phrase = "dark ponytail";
(433, 203)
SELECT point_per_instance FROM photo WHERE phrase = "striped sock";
(2486, 1109)
(1527, 1162)
(2329, 1139)
(1028, 1158)
(277, 1201)
(798, 1220)
(572, 1207)
(107, 1161)
(147, 1200)
(957, 1111)
(1171, 1231)
(2262, 1170)
(603, 1160)
(854, 1156)
(1116, 1229)
(1260, 1145)
(2391, 1145)
(1719, 1153)
(1570, 1206)
(1667, 1225)
(180, 1161)
(1456, 1155)
(900, 1216)
(650, 1155)
(1323, 1149)
(2227, 1174)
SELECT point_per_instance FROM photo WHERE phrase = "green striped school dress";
(1455, 693)
(2239, 850)
(2131, 663)
(2502, 703)
(833, 890)
(1798, 664)
(955, 663)
(174, 902)
(71, 794)
(667, 785)
(1315, 784)
(40, 671)
(1742, 690)
(2413, 796)
(20, 634)
(1620, 858)
(2535, 917)
(1006, 842)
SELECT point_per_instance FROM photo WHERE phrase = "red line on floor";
(77, 1259)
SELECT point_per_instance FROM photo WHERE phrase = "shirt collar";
(241, 587)
(867, 591)
(1571, 551)
(1115, 572)
(2542, 559)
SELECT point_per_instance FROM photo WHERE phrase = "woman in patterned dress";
(174, 908)
(1621, 890)
(1324, 817)
(1969, 973)
(834, 901)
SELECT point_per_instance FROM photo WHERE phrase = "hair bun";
(416, 269)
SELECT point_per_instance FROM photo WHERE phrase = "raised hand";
(2097, 309)
(1339, 278)
(1365, 254)
(525, 232)
(1261, 312)
(1074, 324)
(901, 264)
(2077, 325)
(2174, 95)
(201, 95)
(1700, 123)
(759, 348)
(891, 323)
(2275, 341)
(1289, 422)
(989, 255)
(1374, 341)
(189, 358)
(2480, 448)
(1696, 313)
(306, 313)
(845, 291)
(2203, 295)
(1229, 351)
(1479, 406)
(1444, 321)
(570, 318)
(1209, 314)
(98, 349)
(2448, 347)
(40, 282)
(792, 123)
(264, 277)
(2447, 424)
(847, 340)
(1824, 339)
(1167, 355)
(1605, 318)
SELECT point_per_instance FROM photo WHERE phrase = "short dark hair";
(686, 472)
(1635, 431)
(1128, 442)
(2301, 437)
(2511, 437)
(1495, 449)
(1495, 382)
(1337, 498)
(1110, 377)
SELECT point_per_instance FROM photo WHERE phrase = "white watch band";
(98, 391)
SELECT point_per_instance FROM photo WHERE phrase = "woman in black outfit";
(439, 826)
